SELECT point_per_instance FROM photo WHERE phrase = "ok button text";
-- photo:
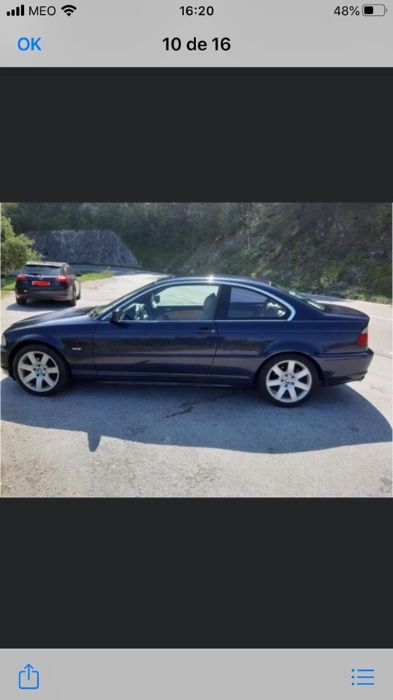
(29, 43)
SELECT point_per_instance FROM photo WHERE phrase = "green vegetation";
(91, 276)
(16, 249)
(330, 248)
(7, 284)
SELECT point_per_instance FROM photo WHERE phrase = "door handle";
(206, 330)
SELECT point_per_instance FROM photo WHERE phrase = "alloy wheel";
(289, 381)
(38, 371)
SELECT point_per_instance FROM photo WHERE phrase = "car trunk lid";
(359, 322)
(338, 310)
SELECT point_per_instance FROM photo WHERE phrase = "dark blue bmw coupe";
(202, 330)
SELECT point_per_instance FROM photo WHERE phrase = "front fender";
(50, 340)
(29, 339)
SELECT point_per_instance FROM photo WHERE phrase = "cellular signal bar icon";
(18, 12)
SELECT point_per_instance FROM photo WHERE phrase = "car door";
(172, 337)
(249, 322)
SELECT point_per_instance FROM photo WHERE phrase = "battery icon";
(374, 10)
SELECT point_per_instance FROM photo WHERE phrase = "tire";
(80, 293)
(287, 380)
(21, 302)
(72, 301)
(52, 368)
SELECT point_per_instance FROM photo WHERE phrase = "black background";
(196, 572)
(189, 135)
(263, 572)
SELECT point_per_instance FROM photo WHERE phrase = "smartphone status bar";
(218, 33)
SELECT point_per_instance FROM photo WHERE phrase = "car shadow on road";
(217, 418)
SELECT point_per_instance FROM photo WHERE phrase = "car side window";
(188, 302)
(247, 305)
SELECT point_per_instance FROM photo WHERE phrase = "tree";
(15, 249)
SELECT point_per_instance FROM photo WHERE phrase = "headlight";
(3, 340)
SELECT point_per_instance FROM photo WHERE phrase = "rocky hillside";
(333, 248)
(343, 249)
(92, 247)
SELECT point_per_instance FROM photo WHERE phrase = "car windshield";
(104, 308)
(42, 269)
(302, 297)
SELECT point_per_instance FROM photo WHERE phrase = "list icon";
(363, 676)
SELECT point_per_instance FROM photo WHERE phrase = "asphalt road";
(122, 440)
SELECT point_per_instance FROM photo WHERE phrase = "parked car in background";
(207, 330)
(45, 281)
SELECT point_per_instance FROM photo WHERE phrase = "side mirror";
(116, 316)
(78, 274)
(156, 298)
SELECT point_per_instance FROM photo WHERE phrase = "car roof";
(297, 304)
(45, 263)
(258, 284)
(226, 279)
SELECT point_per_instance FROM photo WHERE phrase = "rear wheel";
(40, 370)
(21, 301)
(287, 380)
(72, 301)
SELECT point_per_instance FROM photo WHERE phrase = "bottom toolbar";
(193, 674)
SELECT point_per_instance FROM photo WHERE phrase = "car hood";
(62, 316)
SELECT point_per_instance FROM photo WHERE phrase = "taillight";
(21, 278)
(362, 340)
(63, 278)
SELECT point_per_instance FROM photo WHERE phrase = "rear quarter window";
(247, 305)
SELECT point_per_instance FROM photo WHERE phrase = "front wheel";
(40, 370)
(287, 380)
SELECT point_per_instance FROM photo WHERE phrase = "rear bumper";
(339, 369)
(45, 294)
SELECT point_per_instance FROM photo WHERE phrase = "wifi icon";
(69, 9)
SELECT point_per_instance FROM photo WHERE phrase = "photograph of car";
(207, 330)
(200, 325)
(45, 281)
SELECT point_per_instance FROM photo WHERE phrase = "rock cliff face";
(87, 247)
(337, 248)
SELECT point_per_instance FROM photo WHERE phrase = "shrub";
(16, 249)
